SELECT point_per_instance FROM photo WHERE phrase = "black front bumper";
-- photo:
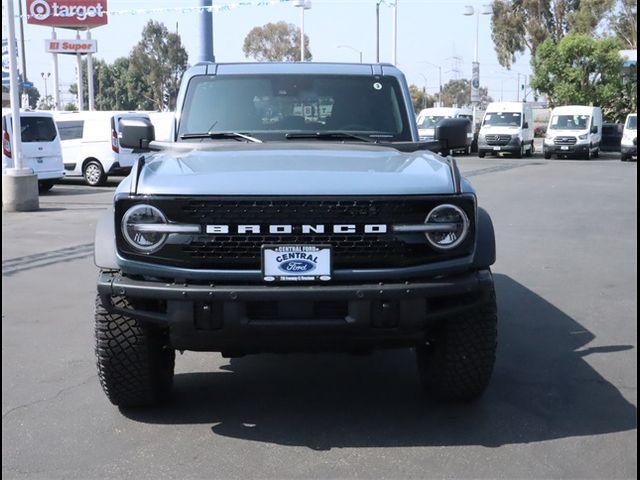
(566, 149)
(629, 150)
(243, 319)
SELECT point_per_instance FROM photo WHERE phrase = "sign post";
(76, 15)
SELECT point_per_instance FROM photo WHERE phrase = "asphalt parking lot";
(562, 402)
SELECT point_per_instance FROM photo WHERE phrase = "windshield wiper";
(328, 136)
(220, 135)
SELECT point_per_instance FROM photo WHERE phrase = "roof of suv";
(298, 68)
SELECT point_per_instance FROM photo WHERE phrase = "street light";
(45, 77)
(302, 5)
(439, 67)
(475, 68)
(352, 48)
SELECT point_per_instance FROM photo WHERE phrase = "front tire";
(458, 361)
(135, 364)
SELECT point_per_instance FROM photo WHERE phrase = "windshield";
(632, 123)
(268, 107)
(570, 122)
(502, 119)
(37, 129)
(430, 121)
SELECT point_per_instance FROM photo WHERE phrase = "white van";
(91, 147)
(428, 118)
(41, 151)
(507, 127)
(629, 145)
(574, 130)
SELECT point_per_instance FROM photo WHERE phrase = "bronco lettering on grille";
(289, 229)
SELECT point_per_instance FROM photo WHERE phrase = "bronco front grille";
(243, 251)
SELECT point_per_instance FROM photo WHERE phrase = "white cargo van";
(41, 151)
(574, 130)
(507, 127)
(629, 145)
(91, 147)
(428, 118)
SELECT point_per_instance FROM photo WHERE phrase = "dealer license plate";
(296, 263)
(564, 148)
(497, 149)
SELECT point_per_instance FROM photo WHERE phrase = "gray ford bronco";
(294, 210)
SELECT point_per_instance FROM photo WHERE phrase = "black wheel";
(481, 154)
(530, 151)
(457, 363)
(624, 158)
(547, 156)
(596, 154)
(521, 153)
(135, 364)
(45, 185)
(93, 173)
(587, 155)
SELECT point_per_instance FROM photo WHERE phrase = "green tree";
(521, 25)
(420, 98)
(581, 70)
(34, 96)
(45, 103)
(623, 22)
(156, 65)
(275, 42)
(458, 92)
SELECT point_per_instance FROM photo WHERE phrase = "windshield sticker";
(377, 86)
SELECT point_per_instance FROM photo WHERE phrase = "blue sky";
(434, 31)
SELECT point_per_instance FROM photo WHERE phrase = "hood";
(301, 168)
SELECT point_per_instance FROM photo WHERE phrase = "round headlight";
(453, 236)
(137, 228)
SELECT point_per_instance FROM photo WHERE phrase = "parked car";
(91, 146)
(507, 127)
(41, 150)
(294, 209)
(629, 144)
(611, 137)
(574, 130)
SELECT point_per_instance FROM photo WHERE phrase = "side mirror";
(453, 134)
(136, 133)
(526, 125)
(594, 129)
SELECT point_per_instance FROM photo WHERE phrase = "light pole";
(439, 67)
(45, 77)
(302, 5)
(475, 67)
(394, 47)
(352, 48)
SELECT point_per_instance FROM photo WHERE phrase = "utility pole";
(378, 31)
(19, 185)
(394, 47)
(22, 54)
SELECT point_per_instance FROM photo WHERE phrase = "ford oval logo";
(297, 266)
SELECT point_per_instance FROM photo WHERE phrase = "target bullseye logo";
(40, 10)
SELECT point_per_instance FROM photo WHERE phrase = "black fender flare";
(104, 245)
(485, 253)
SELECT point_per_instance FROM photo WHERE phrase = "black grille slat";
(565, 141)
(498, 140)
(234, 251)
